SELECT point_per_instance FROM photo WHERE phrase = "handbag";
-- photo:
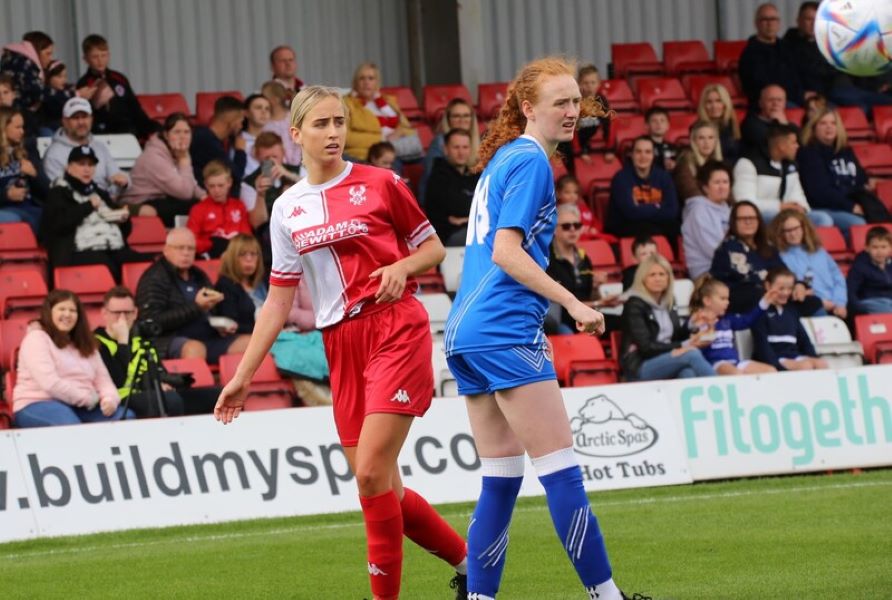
(408, 147)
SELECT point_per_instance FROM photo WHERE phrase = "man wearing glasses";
(766, 60)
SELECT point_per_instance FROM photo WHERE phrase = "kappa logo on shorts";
(374, 570)
(297, 211)
(401, 396)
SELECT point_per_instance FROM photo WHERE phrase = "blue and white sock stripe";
(576, 534)
(496, 551)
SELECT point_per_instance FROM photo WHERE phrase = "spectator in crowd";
(220, 140)
(280, 119)
(7, 90)
(61, 379)
(588, 127)
(452, 190)
(744, 258)
(657, 121)
(22, 185)
(123, 351)
(272, 176)
(642, 196)
(458, 115)
(376, 118)
(77, 120)
(710, 300)
(283, 63)
(779, 338)
(25, 62)
(60, 91)
(382, 154)
(813, 106)
(869, 281)
(754, 129)
(570, 266)
(643, 247)
(817, 274)
(242, 282)
(257, 115)
(81, 224)
(656, 342)
(767, 60)
(179, 297)
(566, 191)
(162, 181)
(771, 181)
(816, 73)
(704, 146)
(705, 219)
(716, 106)
(115, 107)
(218, 217)
(831, 175)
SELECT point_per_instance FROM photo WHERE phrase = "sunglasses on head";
(568, 226)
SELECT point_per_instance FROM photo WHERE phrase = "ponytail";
(706, 285)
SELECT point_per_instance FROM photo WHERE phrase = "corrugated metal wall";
(192, 45)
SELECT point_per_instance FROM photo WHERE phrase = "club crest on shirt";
(357, 194)
(235, 216)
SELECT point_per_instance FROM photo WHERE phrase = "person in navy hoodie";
(870, 277)
(829, 171)
(779, 338)
(642, 198)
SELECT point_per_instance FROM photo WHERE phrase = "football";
(855, 36)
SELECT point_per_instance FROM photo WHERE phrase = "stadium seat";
(695, 84)
(204, 104)
(558, 168)
(437, 307)
(596, 174)
(43, 142)
(680, 128)
(579, 360)
(211, 267)
(727, 54)
(833, 342)
(444, 380)
(451, 267)
(687, 56)
(21, 292)
(875, 158)
(89, 282)
(436, 97)
(875, 334)
(636, 58)
(12, 332)
(611, 289)
(856, 125)
(266, 380)
(619, 95)
(835, 244)
(884, 191)
(413, 171)
(196, 366)
(882, 122)
(147, 234)
(666, 92)
(858, 234)
(131, 272)
(681, 292)
(425, 134)
(124, 148)
(19, 246)
(160, 106)
(602, 257)
(490, 98)
(406, 100)
(743, 341)
(430, 282)
(794, 115)
(625, 129)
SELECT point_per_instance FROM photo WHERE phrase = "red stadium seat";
(680, 128)
(857, 127)
(835, 244)
(882, 121)
(666, 92)
(160, 106)
(618, 93)
(635, 59)
(425, 134)
(695, 84)
(204, 104)
(884, 191)
(436, 97)
(18, 247)
(727, 54)
(413, 171)
(579, 360)
(131, 272)
(490, 98)
(596, 174)
(875, 334)
(431, 282)
(602, 257)
(558, 168)
(858, 234)
(6, 416)
(196, 366)
(875, 158)
(12, 332)
(266, 382)
(88, 282)
(406, 100)
(687, 56)
(21, 292)
(625, 129)
(211, 267)
(794, 115)
(147, 234)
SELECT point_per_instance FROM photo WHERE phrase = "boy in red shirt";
(217, 218)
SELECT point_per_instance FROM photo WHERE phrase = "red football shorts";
(380, 363)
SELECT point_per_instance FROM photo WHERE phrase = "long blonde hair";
(229, 260)
(668, 299)
(808, 132)
(811, 241)
(729, 116)
(18, 151)
(695, 152)
(511, 122)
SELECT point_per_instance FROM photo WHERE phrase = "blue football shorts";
(488, 371)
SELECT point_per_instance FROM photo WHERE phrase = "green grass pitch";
(814, 536)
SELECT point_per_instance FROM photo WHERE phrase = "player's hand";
(588, 320)
(231, 401)
(108, 406)
(393, 282)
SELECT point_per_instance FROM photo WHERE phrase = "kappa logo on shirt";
(401, 396)
(297, 211)
(357, 194)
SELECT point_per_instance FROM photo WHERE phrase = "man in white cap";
(77, 122)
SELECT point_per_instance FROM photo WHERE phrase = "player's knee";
(373, 479)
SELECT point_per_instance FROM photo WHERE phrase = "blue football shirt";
(491, 309)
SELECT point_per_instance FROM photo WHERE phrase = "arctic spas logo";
(602, 429)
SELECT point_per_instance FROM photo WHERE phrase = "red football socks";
(384, 535)
(424, 526)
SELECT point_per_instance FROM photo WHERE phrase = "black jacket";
(206, 146)
(640, 330)
(829, 177)
(236, 304)
(867, 280)
(159, 298)
(449, 194)
(815, 73)
(577, 278)
(123, 113)
(762, 64)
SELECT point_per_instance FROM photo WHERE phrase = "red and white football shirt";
(336, 234)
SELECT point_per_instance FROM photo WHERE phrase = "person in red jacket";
(218, 217)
